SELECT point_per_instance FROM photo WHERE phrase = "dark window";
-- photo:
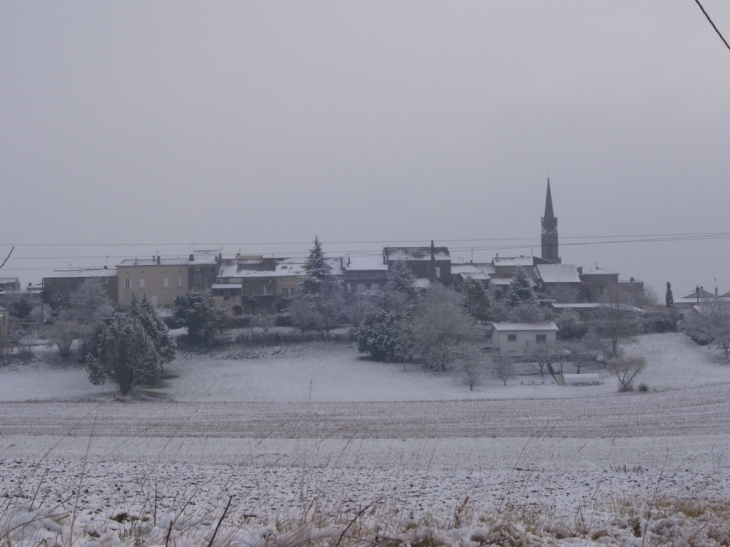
(512, 338)
(541, 338)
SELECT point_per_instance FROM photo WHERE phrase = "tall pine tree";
(319, 278)
(669, 297)
(520, 290)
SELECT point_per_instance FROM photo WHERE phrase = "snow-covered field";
(310, 436)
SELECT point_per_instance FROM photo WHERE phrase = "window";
(438, 271)
(141, 283)
(166, 282)
(541, 338)
(285, 291)
(512, 338)
(127, 283)
(180, 282)
(361, 287)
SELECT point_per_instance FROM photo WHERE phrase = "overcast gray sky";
(258, 125)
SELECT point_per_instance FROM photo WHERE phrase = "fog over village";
(364, 273)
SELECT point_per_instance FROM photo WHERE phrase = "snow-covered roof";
(512, 261)
(205, 257)
(365, 263)
(177, 261)
(688, 302)
(544, 326)
(481, 272)
(5, 280)
(83, 272)
(226, 286)
(505, 281)
(422, 283)
(558, 273)
(703, 294)
(416, 253)
(271, 267)
(576, 306)
(598, 271)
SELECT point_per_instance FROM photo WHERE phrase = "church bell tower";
(550, 230)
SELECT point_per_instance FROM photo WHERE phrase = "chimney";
(580, 270)
(158, 260)
(135, 261)
(631, 279)
(192, 257)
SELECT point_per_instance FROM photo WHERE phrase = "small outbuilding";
(517, 338)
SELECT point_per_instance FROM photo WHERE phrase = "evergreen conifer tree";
(318, 298)
(520, 290)
(669, 297)
(319, 278)
(126, 355)
(155, 328)
(403, 281)
(476, 299)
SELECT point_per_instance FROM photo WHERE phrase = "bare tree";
(63, 333)
(80, 317)
(544, 356)
(616, 319)
(579, 354)
(626, 369)
(439, 324)
(711, 323)
(504, 368)
(264, 320)
(563, 293)
(470, 362)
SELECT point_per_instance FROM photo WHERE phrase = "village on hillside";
(245, 285)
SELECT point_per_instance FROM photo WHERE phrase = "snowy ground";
(247, 426)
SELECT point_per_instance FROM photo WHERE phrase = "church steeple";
(550, 230)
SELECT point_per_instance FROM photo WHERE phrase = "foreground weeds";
(665, 521)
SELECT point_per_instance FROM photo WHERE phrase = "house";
(9, 284)
(249, 283)
(482, 272)
(158, 279)
(517, 338)
(361, 273)
(162, 279)
(599, 280)
(562, 282)
(694, 300)
(420, 260)
(59, 284)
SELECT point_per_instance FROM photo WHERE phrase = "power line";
(699, 235)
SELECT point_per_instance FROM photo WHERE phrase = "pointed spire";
(549, 215)
(433, 251)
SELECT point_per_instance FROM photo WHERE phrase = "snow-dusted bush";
(196, 311)
(381, 334)
(126, 354)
